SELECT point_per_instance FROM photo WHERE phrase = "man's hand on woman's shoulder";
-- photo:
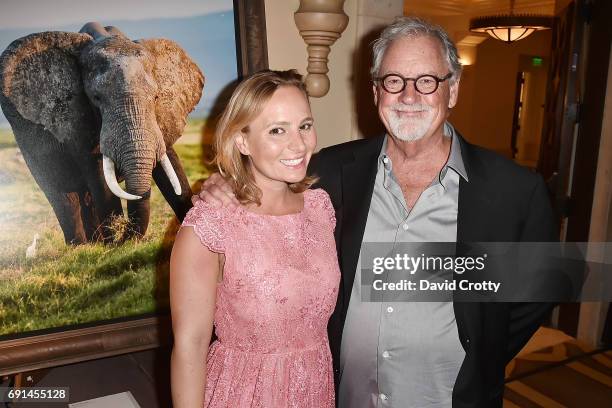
(217, 192)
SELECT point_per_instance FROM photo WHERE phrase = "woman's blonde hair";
(246, 103)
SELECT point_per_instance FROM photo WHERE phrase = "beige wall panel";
(333, 113)
(350, 90)
(487, 118)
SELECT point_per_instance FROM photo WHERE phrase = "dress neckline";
(290, 215)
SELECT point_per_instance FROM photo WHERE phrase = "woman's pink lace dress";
(280, 283)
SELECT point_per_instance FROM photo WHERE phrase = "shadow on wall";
(368, 123)
(209, 127)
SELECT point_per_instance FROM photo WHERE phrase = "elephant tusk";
(111, 180)
(169, 170)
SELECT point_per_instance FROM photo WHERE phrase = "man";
(422, 182)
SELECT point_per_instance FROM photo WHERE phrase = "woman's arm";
(194, 271)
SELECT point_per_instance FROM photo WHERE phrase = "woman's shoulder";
(203, 210)
(316, 196)
(211, 224)
(318, 200)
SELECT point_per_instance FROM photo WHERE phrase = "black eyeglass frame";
(381, 80)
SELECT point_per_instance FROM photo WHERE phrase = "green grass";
(85, 284)
(7, 139)
(66, 285)
(194, 125)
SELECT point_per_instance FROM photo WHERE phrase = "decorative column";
(321, 22)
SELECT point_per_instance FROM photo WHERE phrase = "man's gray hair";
(415, 27)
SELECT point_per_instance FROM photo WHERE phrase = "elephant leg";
(107, 208)
(55, 173)
(138, 216)
(68, 209)
(65, 204)
(91, 220)
(180, 204)
(104, 207)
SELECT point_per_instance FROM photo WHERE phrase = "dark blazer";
(501, 202)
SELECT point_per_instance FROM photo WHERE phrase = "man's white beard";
(409, 129)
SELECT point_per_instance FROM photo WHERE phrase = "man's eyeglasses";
(423, 84)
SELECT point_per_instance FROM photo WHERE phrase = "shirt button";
(385, 354)
(390, 309)
(405, 227)
(383, 397)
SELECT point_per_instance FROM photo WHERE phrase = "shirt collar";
(383, 159)
(455, 160)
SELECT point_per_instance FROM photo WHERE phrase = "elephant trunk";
(136, 163)
(139, 169)
(132, 141)
(110, 177)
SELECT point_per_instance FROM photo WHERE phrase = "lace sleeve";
(209, 224)
(324, 202)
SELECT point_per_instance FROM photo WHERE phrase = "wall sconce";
(321, 22)
(467, 54)
(468, 47)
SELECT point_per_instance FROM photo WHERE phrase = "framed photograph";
(66, 297)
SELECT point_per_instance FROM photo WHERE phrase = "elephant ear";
(40, 75)
(180, 84)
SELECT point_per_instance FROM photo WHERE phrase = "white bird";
(31, 250)
(19, 156)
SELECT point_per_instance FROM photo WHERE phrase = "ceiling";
(455, 15)
(471, 8)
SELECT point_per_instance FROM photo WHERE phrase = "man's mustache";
(413, 107)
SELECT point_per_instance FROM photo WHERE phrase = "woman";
(266, 272)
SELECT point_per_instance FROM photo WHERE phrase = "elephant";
(91, 108)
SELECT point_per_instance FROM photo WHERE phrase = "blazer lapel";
(357, 186)
(474, 198)
(474, 204)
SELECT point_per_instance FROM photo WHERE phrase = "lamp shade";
(510, 28)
